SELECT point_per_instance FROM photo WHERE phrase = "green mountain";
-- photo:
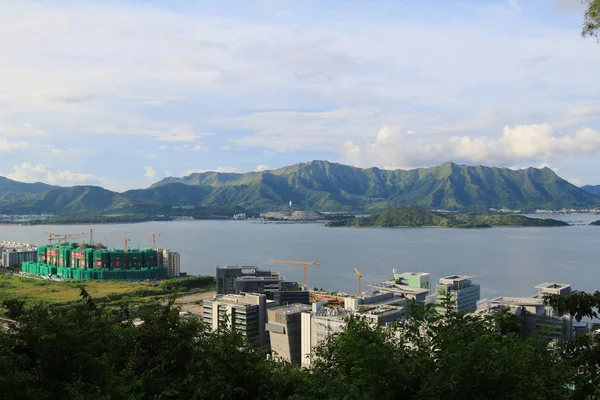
(58, 200)
(325, 186)
(592, 189)
(415, 217)
(317, 185)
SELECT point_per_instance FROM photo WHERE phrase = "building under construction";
(73, 261)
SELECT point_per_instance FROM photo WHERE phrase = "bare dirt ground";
(192, 303)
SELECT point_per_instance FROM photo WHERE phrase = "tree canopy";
(86, 351)
(591, 19)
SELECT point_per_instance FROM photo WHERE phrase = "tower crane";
(125, 247)
(154, 235)
(303, 263)
(61, 238)
(50, 236)
(359, 276)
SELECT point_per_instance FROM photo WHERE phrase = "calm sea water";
(505, 261)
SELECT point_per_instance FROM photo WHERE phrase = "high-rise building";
(459, 291)
(244, 312)
(285, 331)
(170, 260)
(15, 253)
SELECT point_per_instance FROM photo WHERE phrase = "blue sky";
(123, 93)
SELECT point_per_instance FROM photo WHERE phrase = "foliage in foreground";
(85, 352)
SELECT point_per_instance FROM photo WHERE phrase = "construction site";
(68, 259)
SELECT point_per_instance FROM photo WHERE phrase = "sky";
(123, 93)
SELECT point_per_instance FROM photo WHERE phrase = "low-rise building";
(323, 321)
(537, 318)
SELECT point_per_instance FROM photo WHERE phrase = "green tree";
(591, 19)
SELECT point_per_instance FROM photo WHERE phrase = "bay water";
(504, 261)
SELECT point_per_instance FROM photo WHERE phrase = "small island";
(595, 223)
(414, 218)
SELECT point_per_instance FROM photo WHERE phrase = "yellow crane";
(359, 276)
(125, 247)
(154, 235)
(303, 263)
(50, 236)
(61, 238)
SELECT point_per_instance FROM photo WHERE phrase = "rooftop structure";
(413, 279)
(410, 292)
(553, 288)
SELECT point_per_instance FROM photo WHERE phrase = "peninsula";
(415, 217)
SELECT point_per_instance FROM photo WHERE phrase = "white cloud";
(197, 147)
(24, 129)
(262, 167)
(6, 145)
(393, 148)
(72, 152)
(218, 169)
(150, 172)
(68, 68)
(176, 134)
(167, 173)
(163, 147)
(28, 172)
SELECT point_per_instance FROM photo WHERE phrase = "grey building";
(285, 331)
(244, 312)
(323, 321)
(15, 257)
(170, 260)
(228, 275)
(460, 291)
(251, 279)
(537, 319)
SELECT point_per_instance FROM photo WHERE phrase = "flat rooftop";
(238, 267)
(396, 288)
(519, 301)
(259, 278)
(292, 309)
(456, 277)
(552, 285)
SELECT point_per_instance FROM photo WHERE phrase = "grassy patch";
(34, 291)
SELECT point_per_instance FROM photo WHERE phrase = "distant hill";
(325, 186)
(414, 217)
(318, 186)
(592, 189)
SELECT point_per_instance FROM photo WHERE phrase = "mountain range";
(316, 185)
(592, 189)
